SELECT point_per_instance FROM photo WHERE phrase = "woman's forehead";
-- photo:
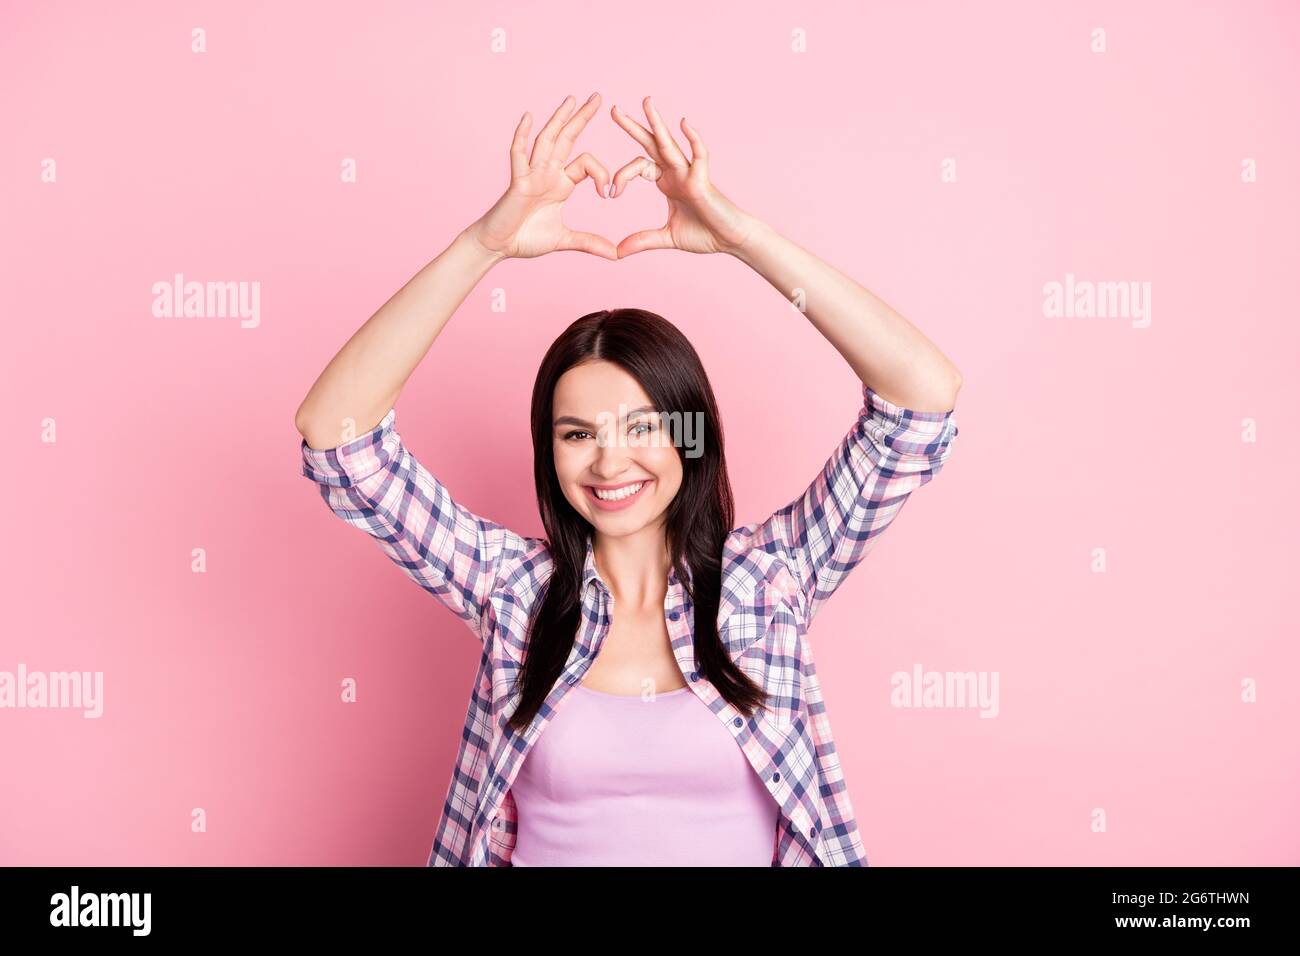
(598, 388)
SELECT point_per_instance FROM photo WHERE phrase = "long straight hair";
(654, 352)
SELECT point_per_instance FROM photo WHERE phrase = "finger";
(519, 148)
(699, 152)
(641, 167)
(546, 138)
(668, 148)
(575, 125)
(643, 136)
(645, 240)
(588, 165)
(588, 242)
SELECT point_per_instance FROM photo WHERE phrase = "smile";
(615, 499)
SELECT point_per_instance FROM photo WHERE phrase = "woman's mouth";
(617, 498)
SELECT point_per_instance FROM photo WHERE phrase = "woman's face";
(609, 437)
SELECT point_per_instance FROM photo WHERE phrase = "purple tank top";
(618, 780)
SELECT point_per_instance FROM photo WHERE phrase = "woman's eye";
(569, 436)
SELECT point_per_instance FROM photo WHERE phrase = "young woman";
(647, 693)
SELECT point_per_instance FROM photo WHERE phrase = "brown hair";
(654, 352)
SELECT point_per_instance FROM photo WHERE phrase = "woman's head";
(622, 399)
(612, 449)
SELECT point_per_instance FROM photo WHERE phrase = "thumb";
(644, 240)
(588, 242)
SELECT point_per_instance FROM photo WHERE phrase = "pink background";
(1119, 691)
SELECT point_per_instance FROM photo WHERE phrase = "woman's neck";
(634, 567)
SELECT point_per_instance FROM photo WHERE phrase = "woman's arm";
(905, 428)
(886, 351)
(372, 481)
(362, 382)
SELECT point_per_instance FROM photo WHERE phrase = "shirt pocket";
(774, 660)
(740, 631)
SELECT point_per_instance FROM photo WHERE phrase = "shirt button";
(776, 777)
(498, 824)
(694, 676)
(737, 721)
(673, 615)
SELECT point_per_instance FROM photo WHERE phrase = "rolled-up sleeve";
(376, 484)
(826, 532)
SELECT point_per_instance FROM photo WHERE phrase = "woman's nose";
(611, 458)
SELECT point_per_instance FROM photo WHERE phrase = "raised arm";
(826, 531)
(904, 430)
(362, 382)
(351, 448)
(886, 351)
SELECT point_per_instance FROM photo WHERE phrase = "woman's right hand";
(526, 221)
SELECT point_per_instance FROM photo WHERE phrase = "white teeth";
(620, 493)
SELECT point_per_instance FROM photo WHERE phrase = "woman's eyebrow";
(571, 420)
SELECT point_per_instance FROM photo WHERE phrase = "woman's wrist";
(473, 238)
(752, 233)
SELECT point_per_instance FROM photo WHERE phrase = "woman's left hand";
(700, 218)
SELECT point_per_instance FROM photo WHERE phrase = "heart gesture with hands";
(700, 218)
(526, 221)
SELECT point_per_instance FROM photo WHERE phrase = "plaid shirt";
(776, 574)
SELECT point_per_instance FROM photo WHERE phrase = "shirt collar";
(590, 574)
